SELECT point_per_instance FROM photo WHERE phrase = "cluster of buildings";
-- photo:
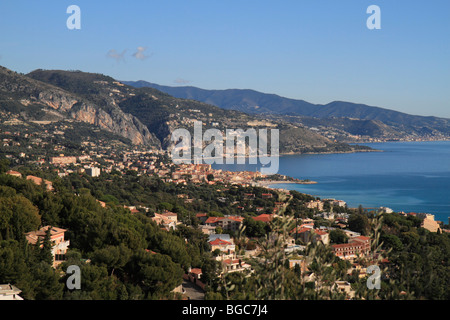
(149, 162)
(201, 173)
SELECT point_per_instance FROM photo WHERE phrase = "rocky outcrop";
(20, 88)
(120, 123)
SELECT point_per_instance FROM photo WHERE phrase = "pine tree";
(45, 253)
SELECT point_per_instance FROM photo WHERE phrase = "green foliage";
(4, 165)
(130, 257)
(254, 229)
(359, 223)
(338, 236)
(18, 216)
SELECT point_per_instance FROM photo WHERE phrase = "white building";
(9, 292)
(93, 172)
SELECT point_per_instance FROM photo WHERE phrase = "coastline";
(268, 183)
(327, 152)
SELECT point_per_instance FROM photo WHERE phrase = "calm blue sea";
(406, 176)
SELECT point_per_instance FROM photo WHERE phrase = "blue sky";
(317, 50)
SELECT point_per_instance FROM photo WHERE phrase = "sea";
(403, 176)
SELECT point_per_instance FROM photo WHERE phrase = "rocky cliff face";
(34, 95)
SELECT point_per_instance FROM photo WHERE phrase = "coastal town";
(326, 219)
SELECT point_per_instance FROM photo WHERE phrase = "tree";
(359, 223)
(113, 257)
(254, 228)
(4, 165)
(338, 236)
(45, 250)
(18, 216)
(391, 241)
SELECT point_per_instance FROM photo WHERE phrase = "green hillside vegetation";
(130, 257)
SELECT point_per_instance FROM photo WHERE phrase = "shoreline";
(327, 152)
(266, 184)
(287, 154)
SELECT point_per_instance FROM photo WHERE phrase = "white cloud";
(139, 54)
(182, 81)
(115, 55)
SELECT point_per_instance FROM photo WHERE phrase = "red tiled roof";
(213, 219)
(301, 230)
(362, 238)
(12, 172)
(169, 214)
(263, 217)
(230, 261)
(219, 242)
(196, 271)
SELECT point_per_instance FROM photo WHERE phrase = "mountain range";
(145, 116)
(344, 117)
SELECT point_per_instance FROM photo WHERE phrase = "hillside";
(383, 123)
(159, 114)
(29, 99)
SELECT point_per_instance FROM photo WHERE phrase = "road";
(192, 291)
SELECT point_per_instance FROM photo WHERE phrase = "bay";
(405, 176)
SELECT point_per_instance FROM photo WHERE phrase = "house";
(60, 245)
(317, 204)
(326, 215)
(102, 203)
(428, 222)
(63, 160)
(196, 273)
(232, 223)
(307, 235)
(194, 276)
(359, 245)
(266, 218)
(166, 222)
(93, 172)
(345, 288)
(224, 244)
(38, 181)
(301, 262)
(234, 265)
(171, 216)
(208, 230)
(9, 292)
(338, 203)
(386, 210)
(14, 173)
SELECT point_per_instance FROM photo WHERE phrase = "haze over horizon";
(317, 51)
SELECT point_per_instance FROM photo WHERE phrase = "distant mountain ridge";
(145, 116)
(254, 102)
